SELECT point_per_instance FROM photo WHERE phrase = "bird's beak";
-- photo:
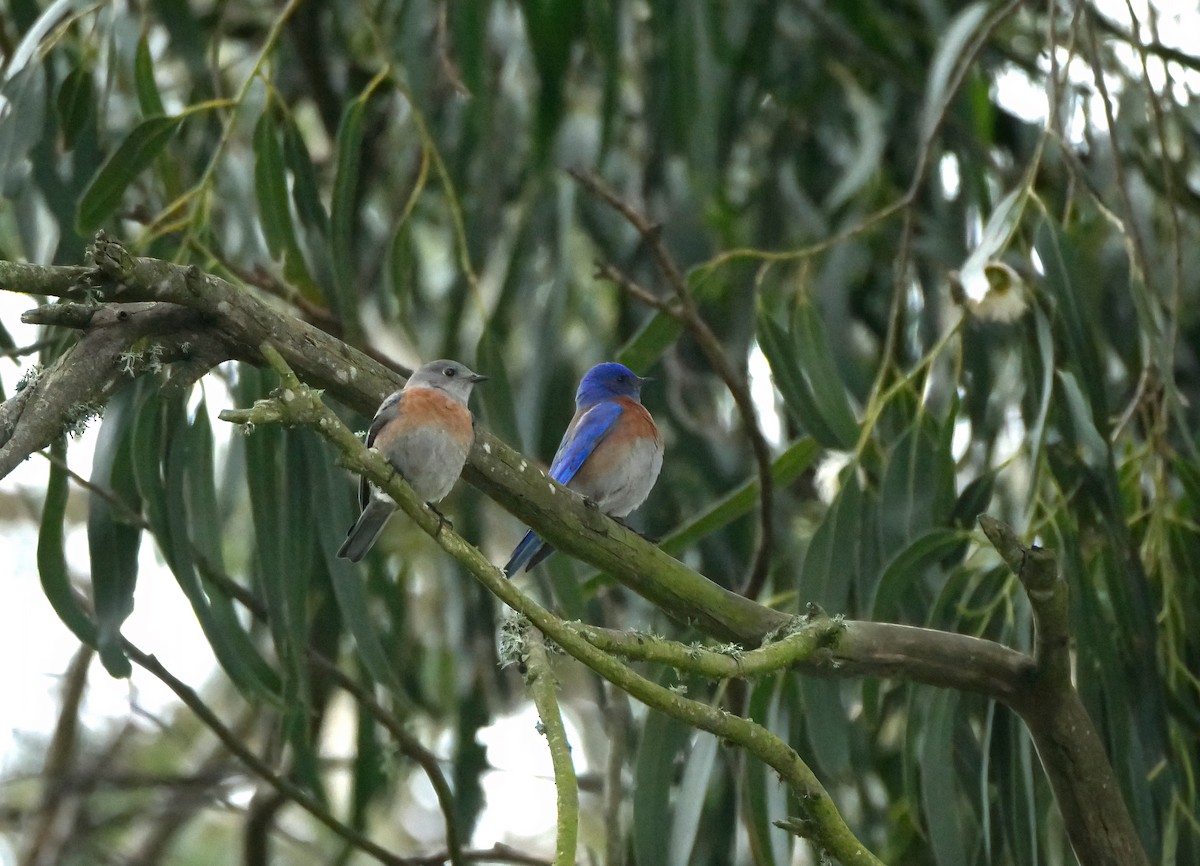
(476, 378)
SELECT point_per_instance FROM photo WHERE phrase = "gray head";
(454, 378)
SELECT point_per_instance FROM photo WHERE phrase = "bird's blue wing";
(580, 441)
(577, 445)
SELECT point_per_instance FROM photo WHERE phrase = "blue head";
(606, 381)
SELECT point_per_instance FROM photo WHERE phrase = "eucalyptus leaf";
(135, 154)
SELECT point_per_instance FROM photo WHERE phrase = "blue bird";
(611, 453)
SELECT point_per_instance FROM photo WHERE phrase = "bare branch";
(1094, 814)
(188, 696)
(92, 370)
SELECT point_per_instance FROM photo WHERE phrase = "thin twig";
(498, 853)
(920, 171)
(685, 312)
(409, 745)
(188, 696)
(1139, 260)
(1175, 233)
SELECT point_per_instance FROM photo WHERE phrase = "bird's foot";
(443, 520)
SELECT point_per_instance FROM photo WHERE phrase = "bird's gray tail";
(366, 529)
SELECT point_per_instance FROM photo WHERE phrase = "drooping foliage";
(954, 235)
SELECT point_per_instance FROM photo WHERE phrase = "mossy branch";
(296, 404)
(543, 688)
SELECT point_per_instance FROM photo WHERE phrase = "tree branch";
(259, 767)
(89, 373)
(1069, 747)
(543, 688)
(298, 404)
(1094, 814)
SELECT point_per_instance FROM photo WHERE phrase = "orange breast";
(428, 407)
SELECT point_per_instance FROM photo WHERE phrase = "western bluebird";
(425, 430)
(611, 453)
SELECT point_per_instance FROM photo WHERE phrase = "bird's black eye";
(450, 371)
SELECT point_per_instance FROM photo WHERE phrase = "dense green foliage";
(829, 178)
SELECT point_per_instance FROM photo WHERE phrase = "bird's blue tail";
(526, 554)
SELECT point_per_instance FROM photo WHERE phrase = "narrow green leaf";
(974, 500)
(811, 346)
(996, 233)
(148, 443)
(136, 153)
(951, 45)
(900, 594)
(348, 587)
(802, 369)
(766, 798)
(787, 467)
(829, 562)
(76, 97)
(653, 818)
(233, 648)
(51, 558)
(306, 192)
(940, 793)
(1095, 450)
(985, 800)
(21, 125)
(470, 759)
(270, 186)
(552, 28)
(143, 80)
(404, 276)
(1045, 359)
(646, 346)
(369, 777)
(112, 542)
(275, 471)
(785, 373)
(660, 331)
(693, 792)
(565, 587)
(343, 209)
(275, 216)
(827, 725)
(1078, 350)
(916, 489)
(825, 578)
(1027, 794)
(202, 489)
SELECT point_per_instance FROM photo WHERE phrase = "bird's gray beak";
(475, 379)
